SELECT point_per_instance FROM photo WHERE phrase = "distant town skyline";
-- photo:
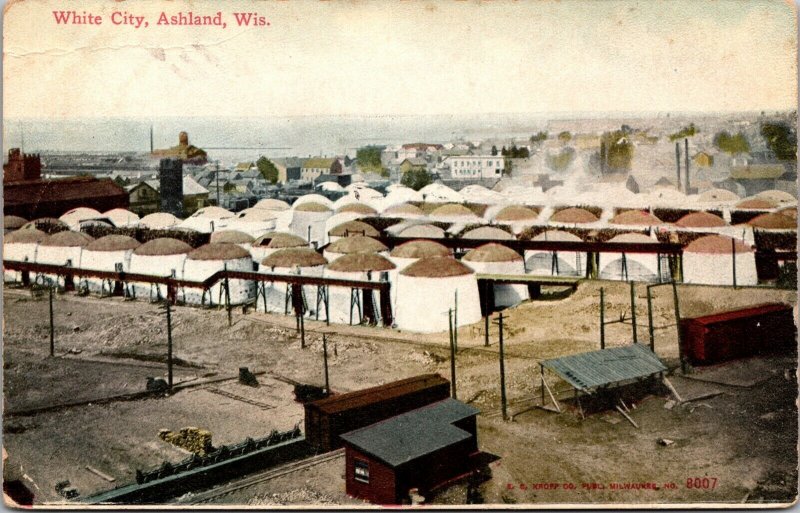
(404, 59)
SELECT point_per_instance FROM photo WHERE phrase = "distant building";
(145, 198)
(27, 195)
(21, 167)
(415, 164)
(288, 168)
(186, 152)
(314, 167)
(245, 166)
(703, 159)
(475, 166)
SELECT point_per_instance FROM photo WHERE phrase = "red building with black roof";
(424, 449)
(27, 195)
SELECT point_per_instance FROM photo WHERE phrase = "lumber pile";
(192, 439)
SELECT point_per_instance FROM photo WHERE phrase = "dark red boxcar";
(739, 333)
(328, 418)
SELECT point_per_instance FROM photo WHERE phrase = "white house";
(475, 166)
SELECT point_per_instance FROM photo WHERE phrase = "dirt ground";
(744, 437)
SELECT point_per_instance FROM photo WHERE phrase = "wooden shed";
(424, 449)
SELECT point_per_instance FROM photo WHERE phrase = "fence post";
(169, 344)
(325, 360)
(678, 324)
(733, 257)
(650, 319)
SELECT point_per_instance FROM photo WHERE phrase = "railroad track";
(241, 484)
(235, 397)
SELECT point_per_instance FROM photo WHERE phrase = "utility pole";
(602, 319)
(503, 401)
(52, 326)
(325, 360)
(678, 324)
(452, 356)
(169, 343)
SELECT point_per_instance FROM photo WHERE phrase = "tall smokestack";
(678, 162)
(151, 139)
(686, 156)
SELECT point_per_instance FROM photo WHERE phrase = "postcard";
(449, 254)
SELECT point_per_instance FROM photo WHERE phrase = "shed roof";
(231, 236)
(573, 215)
(361, 262)
(279, 240)
(311, 206)
(409, 436)
(41, 192)
(636, 217)
(356, 244)
(159, 220)
(636, 238)
(428, 231)
(774, 221)
(700, 220)
(492, 252)
(516, 213)
(272, 204)
(162, 246)
(13, 222)
(213, 212)
(68, 239)
(404, 208)
(717, 244)
(354, 228)
(113, 243)
(420, 249)
(593, 369)
(219, 251)
(358, 208)
(453, 210)
(488, 232)
(291, 257)
(24, 237)
(756, 204)
(436, 267)
(558, 235)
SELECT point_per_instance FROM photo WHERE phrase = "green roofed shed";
(587, 371)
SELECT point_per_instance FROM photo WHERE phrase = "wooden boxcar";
(328, 418)
(739, 333)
